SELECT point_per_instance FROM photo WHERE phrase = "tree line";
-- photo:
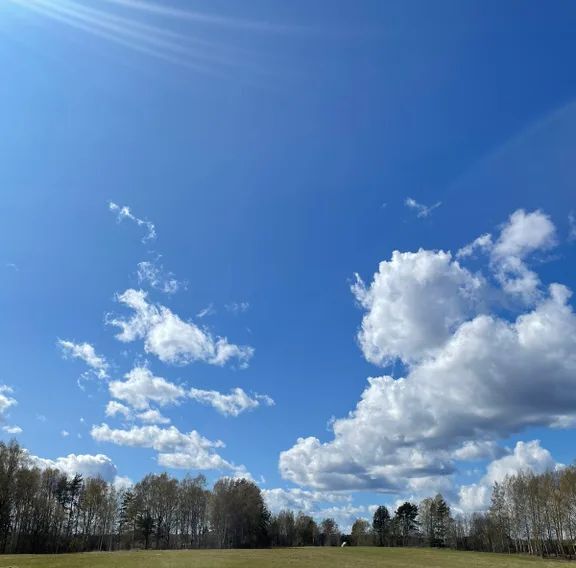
(529, 513)
(44, 510)
(47, 511)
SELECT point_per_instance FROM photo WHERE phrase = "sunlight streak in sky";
(188, 50)
(172, 12)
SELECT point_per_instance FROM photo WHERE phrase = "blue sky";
(274, 145)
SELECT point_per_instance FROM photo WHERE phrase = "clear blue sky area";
(274, 146)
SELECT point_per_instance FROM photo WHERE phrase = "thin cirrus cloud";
(422, 210)
(172, 339)
(124, 212)
(472, 375)
(209, 310)
(237, 307)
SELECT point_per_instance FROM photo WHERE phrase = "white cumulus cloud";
(6, 401)
(175, 449)
(472, 376)
(318, 505)
(12, 429)
(88, 465)
(141, 387)
(413, 305)
(232, 404)
(115, 408)
(153, 416)
(527, 456)
(122, 483)
(297, 499)
(523, 235)
(170, 338)
(149, 416)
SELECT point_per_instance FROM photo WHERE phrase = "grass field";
(281, 558)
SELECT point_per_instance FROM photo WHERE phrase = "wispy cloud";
(85, 352)
(124, 212)
(156, 277)
(421, 209)
(207, 311)
(237, 307)
(483, 243)
(572, 226)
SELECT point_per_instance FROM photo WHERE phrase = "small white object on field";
(343, 544)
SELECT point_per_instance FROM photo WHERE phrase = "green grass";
(280, 558)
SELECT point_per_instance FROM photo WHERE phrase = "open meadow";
(353, 557)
